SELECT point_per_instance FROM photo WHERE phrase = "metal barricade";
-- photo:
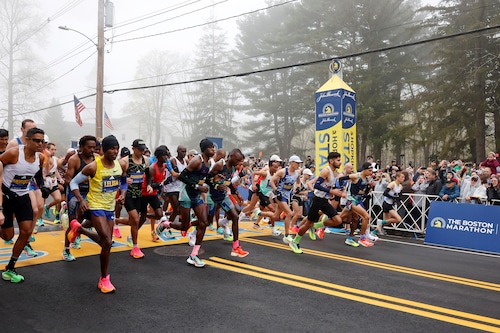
(413, 209)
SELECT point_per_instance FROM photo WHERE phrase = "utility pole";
(100, 70)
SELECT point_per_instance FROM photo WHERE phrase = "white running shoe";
(371, 236)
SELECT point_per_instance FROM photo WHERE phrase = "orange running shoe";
(239, 252)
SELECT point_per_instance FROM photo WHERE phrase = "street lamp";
(100, 66)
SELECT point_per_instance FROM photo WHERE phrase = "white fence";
(413, 209)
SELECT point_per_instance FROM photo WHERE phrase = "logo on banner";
(348, 114)
(438, 222)
(328, 114)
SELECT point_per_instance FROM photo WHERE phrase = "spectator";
(493, 191)
(491, 162)
(435, 183)
(450, 191)
(475, 192)
(382, 179)
(308, 162)
(420, 188)
(443, 169)
(369, 159)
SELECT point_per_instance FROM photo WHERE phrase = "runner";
(104, 175)
(76, 163)
(20, 165)
(282, 183)
(137, 164)
(222, 176)
(190, 197)
(52, 180)
(326, 187)
(391, 195)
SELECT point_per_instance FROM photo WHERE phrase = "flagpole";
(100, 69)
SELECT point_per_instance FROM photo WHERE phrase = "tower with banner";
(335, 120)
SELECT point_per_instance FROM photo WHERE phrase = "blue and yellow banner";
(335, 120)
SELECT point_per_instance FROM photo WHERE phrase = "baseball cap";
(124, 152)
(274, 158)
(139, 144)
(307, 172)
(366, 166)
(294, 158)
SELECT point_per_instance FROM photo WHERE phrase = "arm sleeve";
(183, 177)
(79, 178)
(123, 183)
(386, 193)
(318, 185)
(169, 165)
(39, 178)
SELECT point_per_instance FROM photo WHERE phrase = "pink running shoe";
(105, 285)
(136, 253)
(365, 242)
(116, 232)
(73, 232)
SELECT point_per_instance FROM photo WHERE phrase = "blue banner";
(216, 140)
(465, 226)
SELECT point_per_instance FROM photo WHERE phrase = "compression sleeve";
(318, 185)
(123, 183)
(183, 177)
(169, 165)
(79, 178)
(386, 193)
(39, 178)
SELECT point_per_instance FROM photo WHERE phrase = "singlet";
(175, 185)
(394, 192)
(265, 185)
(136, 172)
(17, 177)
(83, 187)
(360, 188)
(228, 175)
(104, 185)
(285, 184)
(332, 183)
(158, 177)
(197, 176)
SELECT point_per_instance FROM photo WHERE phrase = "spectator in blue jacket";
(450, 191)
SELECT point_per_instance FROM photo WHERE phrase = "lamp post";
(100, 66)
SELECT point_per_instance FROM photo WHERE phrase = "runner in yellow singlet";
(105, 175)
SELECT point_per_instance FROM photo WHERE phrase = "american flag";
(107, 122)
(79, 107)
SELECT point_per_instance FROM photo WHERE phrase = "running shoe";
(211, 227)
(116, 232)
(195, 261)
(154, 236)
(9, 242)
(130, 243)
(312, 233)
(365, 242)
(32, 238)
(256, 226)
(73, 232)
(57, 221)
(39, 222)
(276, 231)
(256, 212)
(220, 231)
(67, 256)
(192, 238)
(12, 276)
(136, 253)
(76, 243)
(228, 237)
(380, 227)
(239, 252)
(29, 251)
(295, 229)
(323, 218)
(295, 247)
(105, 285)
(184, 232)
(287, 239)
(54, 210)
(320, 233)
(371, 237)
(46, 211)
(351, 242)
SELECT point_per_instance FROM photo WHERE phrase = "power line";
(202, 24)
(352, 55)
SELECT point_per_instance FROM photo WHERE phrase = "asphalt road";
(398, 285)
